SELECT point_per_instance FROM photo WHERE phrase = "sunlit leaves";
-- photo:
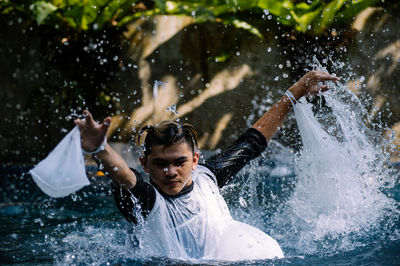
(355, 7)
(244, 25)
(41, 10)
(161, 5)
(328, 14)
(313, 16)
(280, 9)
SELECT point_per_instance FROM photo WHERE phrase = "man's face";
(170, 167)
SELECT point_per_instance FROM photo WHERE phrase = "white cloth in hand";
(62, 172)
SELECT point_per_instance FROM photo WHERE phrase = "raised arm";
(310, 83)
(92, 136)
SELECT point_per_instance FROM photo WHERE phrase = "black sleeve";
(226, 164)
(136, 201)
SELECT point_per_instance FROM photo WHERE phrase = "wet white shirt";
(198, 225)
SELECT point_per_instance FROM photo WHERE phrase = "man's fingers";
(107, 121)
(324, 76)
(330, 78)
(88, 117)
(323, 88)
(78, 122)
(318, 90)
(106, 124)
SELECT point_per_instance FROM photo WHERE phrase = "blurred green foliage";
(313, 16)
(82, 41)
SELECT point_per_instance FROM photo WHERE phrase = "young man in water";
(184, 214)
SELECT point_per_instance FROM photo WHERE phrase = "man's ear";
(143, 162)
(196, 157)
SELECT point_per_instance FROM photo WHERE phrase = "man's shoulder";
(202, 172)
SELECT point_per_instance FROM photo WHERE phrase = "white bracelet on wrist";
(291, 97)
(99, 149)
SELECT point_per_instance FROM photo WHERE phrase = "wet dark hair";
(167, 133)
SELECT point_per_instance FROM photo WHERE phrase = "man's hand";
(92, 133)
(312, 83)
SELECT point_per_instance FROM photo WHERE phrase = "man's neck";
(184, 191)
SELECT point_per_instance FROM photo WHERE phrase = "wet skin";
(170, 167)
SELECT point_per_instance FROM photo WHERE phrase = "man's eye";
(180, 163)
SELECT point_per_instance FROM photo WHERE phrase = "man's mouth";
(172, 183)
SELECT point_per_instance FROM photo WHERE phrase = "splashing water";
(338, 200)
(334, 205)
(156, 85)
(338, 197)
(172, 109)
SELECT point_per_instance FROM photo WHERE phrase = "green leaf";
(276, 7)
(137, 15)
(74, 15)
(41, 10)
(97, 14)
(246, 26)
(221, 58)
(355, 7)
(280, 9)
(161, 5)
(328, 15)
(304, 21)
(304, 8)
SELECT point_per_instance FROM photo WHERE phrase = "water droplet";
(172, 109)
(143, 147)
(242, 202)
(74, 197)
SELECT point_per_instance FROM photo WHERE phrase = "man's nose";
(170, 171)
